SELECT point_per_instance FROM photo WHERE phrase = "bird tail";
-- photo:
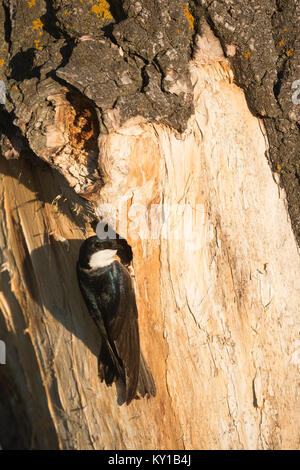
(109, 367)
(110, 370)
(146, 385)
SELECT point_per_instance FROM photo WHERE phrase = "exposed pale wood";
(218, 313)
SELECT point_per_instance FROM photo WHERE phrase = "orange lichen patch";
(1, 62)
(247, 54)
(37, 44)
(189, 16)
(281, 43)
(278, 167)
(101, 9)
(289, 52)
(31, 3)
(37, 24)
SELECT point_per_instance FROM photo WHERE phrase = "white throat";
(102, 258)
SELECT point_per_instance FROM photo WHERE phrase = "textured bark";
(164, 121)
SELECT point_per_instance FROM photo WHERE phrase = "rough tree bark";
(133, 105)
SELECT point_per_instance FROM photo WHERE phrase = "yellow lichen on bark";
(102, 10)
(189, 16)
(37, 24)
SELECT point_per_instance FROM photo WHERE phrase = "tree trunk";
(137, 114)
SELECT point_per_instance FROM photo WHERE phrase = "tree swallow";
(108, 291)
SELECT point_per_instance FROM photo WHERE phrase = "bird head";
(95, 252)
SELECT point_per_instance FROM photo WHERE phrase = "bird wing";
(118, 325)
(109, 364)
(123, 332)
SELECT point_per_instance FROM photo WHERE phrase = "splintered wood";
(218, 305)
